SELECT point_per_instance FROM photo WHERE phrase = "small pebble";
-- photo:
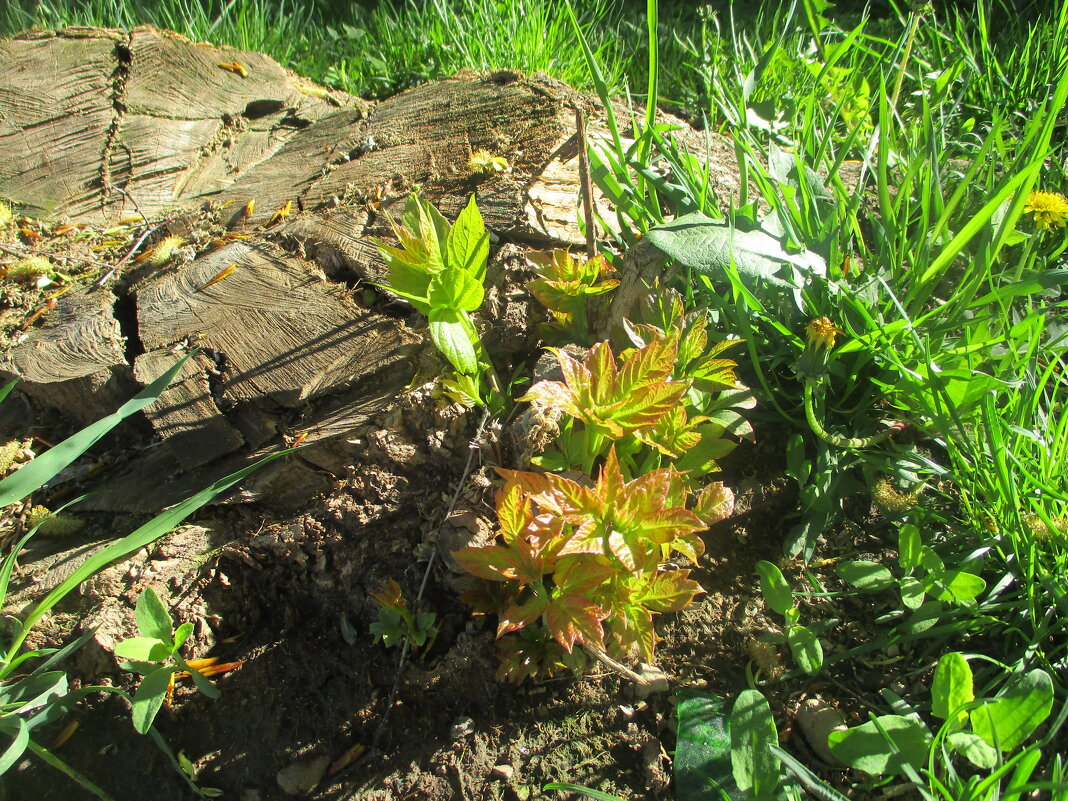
(504, 772)
(302, 777)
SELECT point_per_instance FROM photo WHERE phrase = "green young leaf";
(882, 746)
(755, 768)
(182, 633)
(153, 618)
(468, 242)
(951, 689)
(954, 586)
(909, 545)
(143, 649)
(454, 288)
(912, 593)
(974, 749)
(1006, 722)
(806, 648)
(148, 699)
(452, 338)
(864, 575)
(773, 586)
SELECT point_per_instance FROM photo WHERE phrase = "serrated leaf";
(454, 288)
(573, 618)
(715, 502)
(951, 689)
(468, 242)
(592, 391)
(153, 618)
(866, 748)
(669, 591)
(513, 510)
(865, 575)
(490, 562)
(451, 336)
(708, 246)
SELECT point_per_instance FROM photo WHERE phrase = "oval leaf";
(867, 748)
(951, 689)
(752, 734)
(149, 698)
(865, 575)
(451, 338)
(1011, 719)
(777, 593)
(153, 619)
(806, 648)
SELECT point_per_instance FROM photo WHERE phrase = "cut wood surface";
(100, 125)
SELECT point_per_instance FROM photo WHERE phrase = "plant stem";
(855, 443)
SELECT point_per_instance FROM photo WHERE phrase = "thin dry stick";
(148, 232)
(402, 661)
(587, 183)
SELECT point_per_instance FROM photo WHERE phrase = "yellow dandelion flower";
(821, 332)
(1049, 208)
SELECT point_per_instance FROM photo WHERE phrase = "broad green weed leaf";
(912, 593)
(455, 288)
(908, 547)
(806, 649)
(703, 749)
(468, 242)
(142, 649)
(451, 337)
(755, 768)
(974, 748)
(865, 575)
(954, 586)
(153, 618)
(1009, 720)
(951, 689)
(149, 698)
(709, 246)
(866, 748)
(777, 593)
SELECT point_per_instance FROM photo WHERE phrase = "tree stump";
(99, 125)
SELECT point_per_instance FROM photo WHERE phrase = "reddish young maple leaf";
(614, 401)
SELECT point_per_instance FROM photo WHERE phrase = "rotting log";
(100, 125)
